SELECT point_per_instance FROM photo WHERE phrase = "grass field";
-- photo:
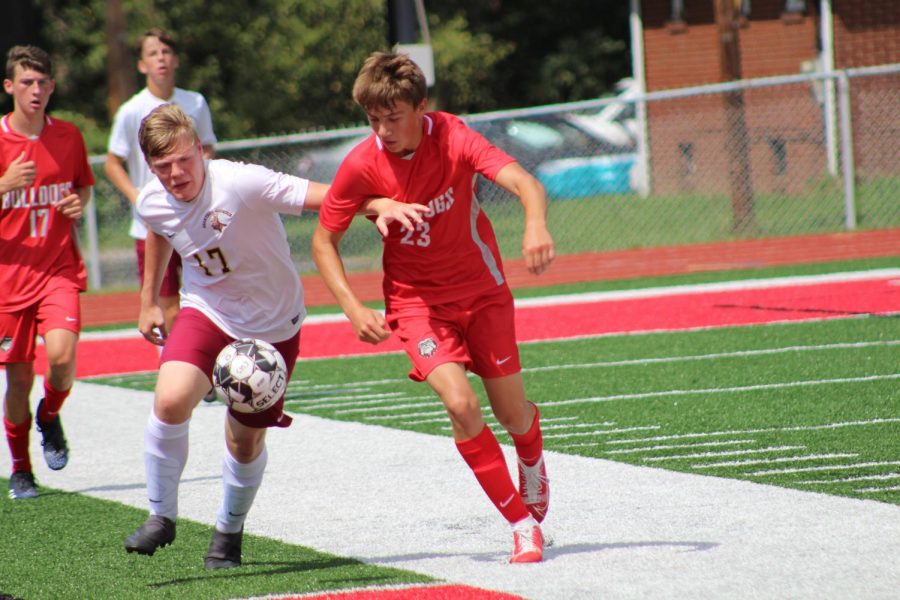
(813, 406)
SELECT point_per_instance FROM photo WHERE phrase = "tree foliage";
(274, 66)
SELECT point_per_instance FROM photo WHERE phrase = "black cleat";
(56, 451)
(21, 485)
(156, 532)
(224, 550)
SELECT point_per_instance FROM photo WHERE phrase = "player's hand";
(20, 173)
(71, 206)
(369, 325)
(388, 211)
(152, 324)
(538, 249)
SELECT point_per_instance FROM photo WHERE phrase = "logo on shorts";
(6, 343)
(427, 347)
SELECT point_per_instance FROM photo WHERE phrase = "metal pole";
(826, 33)
(95, 280)
(640, 77)
(847, 151)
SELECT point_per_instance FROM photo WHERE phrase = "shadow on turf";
(557, 550)
(258, 569)
(139, 486)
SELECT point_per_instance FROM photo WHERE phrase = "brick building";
(780, 129)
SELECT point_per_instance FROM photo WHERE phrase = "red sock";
(53, 401)
(530, 444)
(17, 438)
(483, 455)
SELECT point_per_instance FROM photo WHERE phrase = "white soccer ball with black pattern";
(249, 375)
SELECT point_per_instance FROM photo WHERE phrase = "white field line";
(428, 413)
(590, 297)
(844, 467)
(679, 436)
(715, 355)
(724, 453)
(398, 407)
(879, 476)
(679, 446)
(763, 461)
(725, 390)
(557, 436)
(871, 490)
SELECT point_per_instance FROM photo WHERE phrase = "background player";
(46, 182)
(445, 292)
(125, 165)
(223, 219)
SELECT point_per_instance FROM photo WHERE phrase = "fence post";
(95, 280)
(847, 163)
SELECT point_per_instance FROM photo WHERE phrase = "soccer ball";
(249, 375)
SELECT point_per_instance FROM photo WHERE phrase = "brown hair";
(28, 57)
(161, 35)
(386, 79)
(163, 129)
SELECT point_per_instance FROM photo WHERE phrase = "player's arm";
(369, 325)
(537, 244)
(114, 167)
(385, 209)
(152, 322)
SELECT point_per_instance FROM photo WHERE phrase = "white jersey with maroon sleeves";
(236, 261)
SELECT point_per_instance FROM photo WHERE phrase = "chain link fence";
(781, 156)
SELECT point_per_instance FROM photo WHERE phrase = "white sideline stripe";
(725, 453)
(588, 297)
(725, 390)
(403, 499)
(843, 467)
(761, 430)
(557, 436)
(679, 446)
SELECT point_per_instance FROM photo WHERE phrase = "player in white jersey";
(125, 165)
(239, 281)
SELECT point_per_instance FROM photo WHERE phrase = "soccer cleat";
(534, 487)
(528, 543)
(56, 451)
(156, 532)
(21, 485)
(224, 550)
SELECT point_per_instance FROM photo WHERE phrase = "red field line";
(122, 307)
(678, 311)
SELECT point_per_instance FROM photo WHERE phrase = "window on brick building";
(677, 11)
(794, 6)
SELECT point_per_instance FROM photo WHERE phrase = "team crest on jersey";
(218, 219)
(6, 343)
(427, 347)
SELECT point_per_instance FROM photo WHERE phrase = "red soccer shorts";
(197, 340)
(171, 280)
(478, 332)
(59, 309)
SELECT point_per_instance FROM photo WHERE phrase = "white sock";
(165, 454)
(241, 482)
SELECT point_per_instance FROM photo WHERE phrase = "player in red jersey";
(46, 181)
(445, 292)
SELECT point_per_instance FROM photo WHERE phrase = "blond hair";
(164, 129)
(386, 79)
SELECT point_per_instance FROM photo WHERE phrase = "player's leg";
(491, 340)
(58, 319)
(242, 472)
(242, 469)
(183, 378)
(17, 332)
